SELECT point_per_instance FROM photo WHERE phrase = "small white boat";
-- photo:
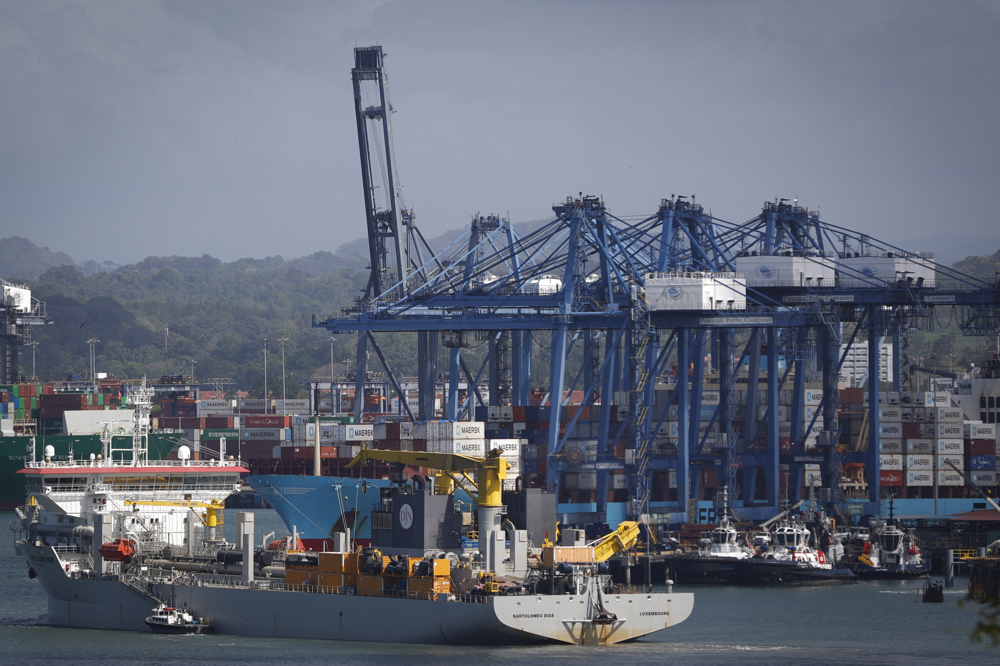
(169, 620)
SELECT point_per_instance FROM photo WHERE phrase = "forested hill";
(218, 315)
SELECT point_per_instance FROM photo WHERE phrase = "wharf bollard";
(949, 568)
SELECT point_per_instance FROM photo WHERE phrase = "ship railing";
(128, 464)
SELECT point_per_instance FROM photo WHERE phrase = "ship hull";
(240, 610)
(894, 572)
(760, 571)
(702, 569)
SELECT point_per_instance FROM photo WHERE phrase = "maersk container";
(920, 478)
(981, 431)
(984, 478)
(950, 415)
(956, 460)
(950, 431)
(920, 446)
(891, 430)
(949, 478)
(890, 446)
(950, 447)
(920, 462)
(891, 462)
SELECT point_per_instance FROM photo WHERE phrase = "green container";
(216, 433)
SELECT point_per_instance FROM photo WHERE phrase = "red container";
(852, 395)
(891, 477)
(911, 430)
(266, 421)
(420, 445)
(980, 447)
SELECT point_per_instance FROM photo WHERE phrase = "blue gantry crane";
(637, 316)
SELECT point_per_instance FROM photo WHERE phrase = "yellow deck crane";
(621, 540)
(212, 519)
(486, 489)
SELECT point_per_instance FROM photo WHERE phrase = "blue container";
(978, 463)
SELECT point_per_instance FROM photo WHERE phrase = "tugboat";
(791, 559)
(168, 620)
(891, 553)
(716, 557)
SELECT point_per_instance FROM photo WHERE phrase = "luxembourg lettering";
(644, 613)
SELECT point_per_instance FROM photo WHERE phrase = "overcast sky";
(132, 128)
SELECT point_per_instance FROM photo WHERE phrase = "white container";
(359, 432)
(950, 431)
(950, 415)
(922, 478)
(890, 462)
(950, 478)
(469, 447)
(890, 446)
(890, 414)
(587, 480)
(920, 462)
(264, 435)
(958, 461)
(511, 448)
(891, 430)
(981, 430)
(468, 430)
(955, 447)
(984, 478)
(920, 446)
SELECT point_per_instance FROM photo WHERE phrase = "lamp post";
(192, 370)
(33, 344)
(93, 362)
(265, 374)
(282, 340)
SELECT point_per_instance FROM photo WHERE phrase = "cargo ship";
(111, 540)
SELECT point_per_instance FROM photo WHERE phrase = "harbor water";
(876, 622)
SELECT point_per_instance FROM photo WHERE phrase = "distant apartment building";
(854, 371)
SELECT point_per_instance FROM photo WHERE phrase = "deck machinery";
(637, 307)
